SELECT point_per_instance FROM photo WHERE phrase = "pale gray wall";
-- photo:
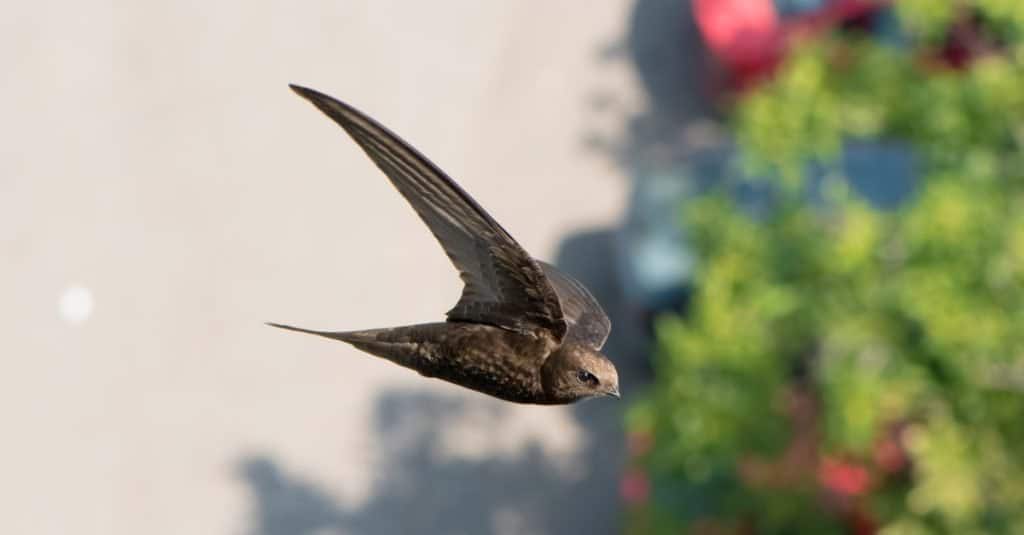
(152, 153)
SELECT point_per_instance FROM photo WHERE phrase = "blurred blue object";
(656, 261)
(788, 8)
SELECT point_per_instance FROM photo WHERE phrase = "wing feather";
(504, 286)
(586, 321)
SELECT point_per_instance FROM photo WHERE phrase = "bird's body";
(494, 361)
(522, 331)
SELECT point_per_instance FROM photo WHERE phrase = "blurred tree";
(844, 369)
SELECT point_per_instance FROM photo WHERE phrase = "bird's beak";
(613, 393)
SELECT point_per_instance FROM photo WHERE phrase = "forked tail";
(402, 345)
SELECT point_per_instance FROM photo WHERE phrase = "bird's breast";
(495, 362)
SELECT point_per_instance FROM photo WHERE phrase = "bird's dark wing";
(587, 323)
(504, 286)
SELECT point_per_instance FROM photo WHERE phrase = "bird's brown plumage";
(522, 330)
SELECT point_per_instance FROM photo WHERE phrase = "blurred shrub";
(850, 370)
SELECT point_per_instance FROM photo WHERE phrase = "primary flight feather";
(522, 331)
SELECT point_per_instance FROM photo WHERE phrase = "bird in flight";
(522, 331)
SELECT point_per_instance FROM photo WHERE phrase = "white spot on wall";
(76, 304)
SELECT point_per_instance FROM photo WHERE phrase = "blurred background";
(804, 217)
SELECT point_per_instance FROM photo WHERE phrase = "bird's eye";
(586, 377)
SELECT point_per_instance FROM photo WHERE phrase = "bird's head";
(576, 372)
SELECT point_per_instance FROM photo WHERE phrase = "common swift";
(522, 331)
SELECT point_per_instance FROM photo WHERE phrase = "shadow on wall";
(664, 47)
(420, 490)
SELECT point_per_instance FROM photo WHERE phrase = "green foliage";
(849, 366)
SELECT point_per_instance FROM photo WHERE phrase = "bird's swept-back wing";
(504, 286)
(586, 321)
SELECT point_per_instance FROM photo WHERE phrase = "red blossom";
(843, 477)
(635, 487)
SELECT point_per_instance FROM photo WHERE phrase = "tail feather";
(404, 346)
(344, 336)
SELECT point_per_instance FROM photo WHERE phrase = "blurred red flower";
(843, 477)
(635, 487)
